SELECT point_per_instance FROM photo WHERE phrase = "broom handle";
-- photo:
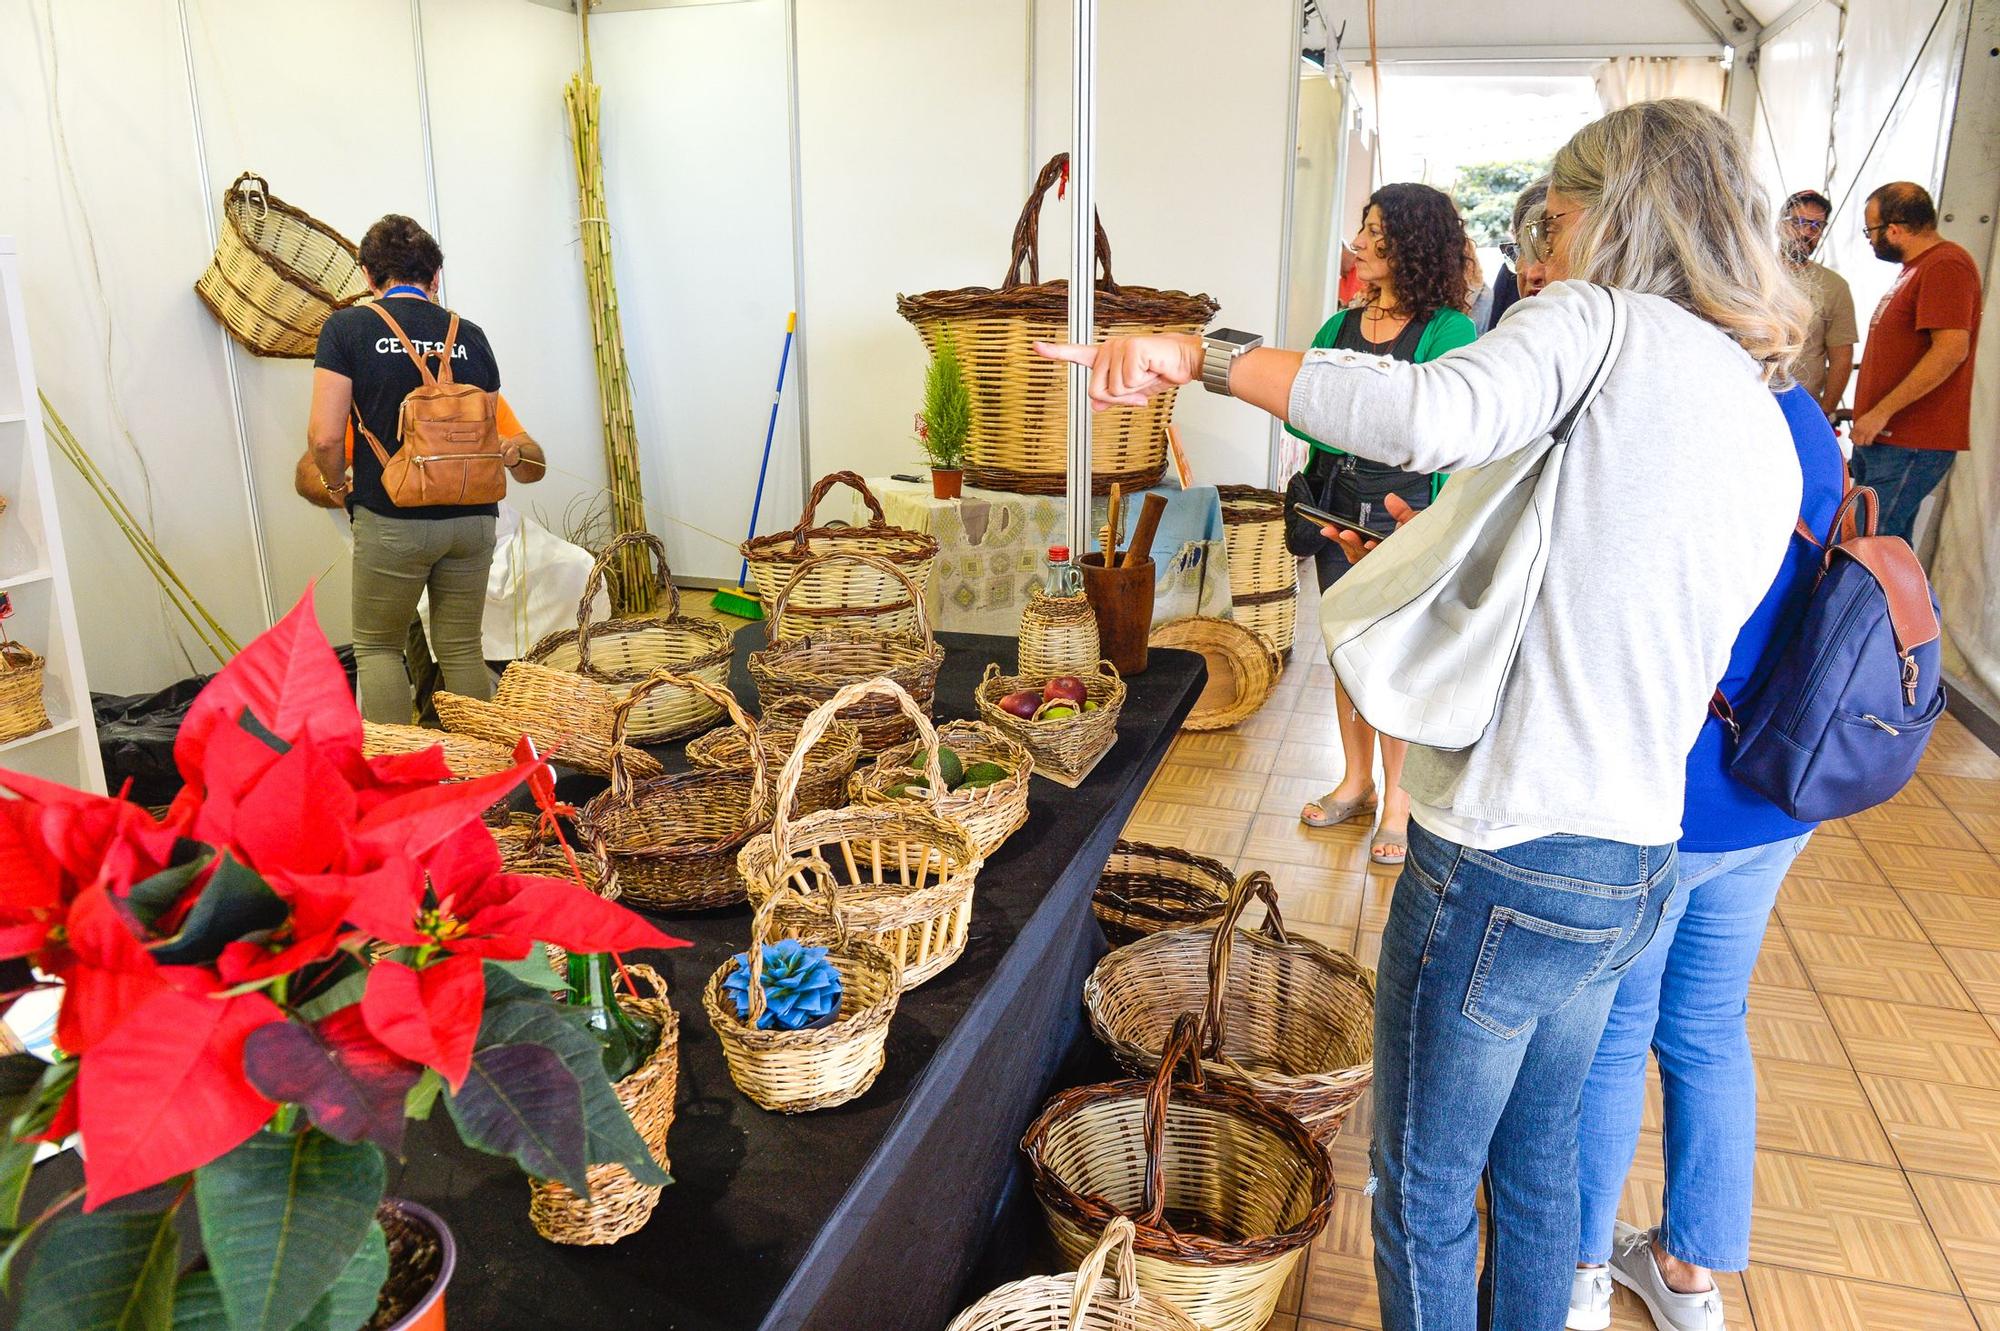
(770, 433)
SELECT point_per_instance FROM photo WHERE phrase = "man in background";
(1913, 404)
(1827, 359)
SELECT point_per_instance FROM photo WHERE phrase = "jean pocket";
(1529, 967)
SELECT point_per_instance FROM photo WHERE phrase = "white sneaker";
(1632, 1266)
(1590, 1299)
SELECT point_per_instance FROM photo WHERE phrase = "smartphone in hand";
(1326, 519)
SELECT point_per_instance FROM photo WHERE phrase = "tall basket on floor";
(844, 595)
(1091, 1299)
(1263, 572)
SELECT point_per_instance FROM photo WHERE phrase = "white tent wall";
(1966, 568)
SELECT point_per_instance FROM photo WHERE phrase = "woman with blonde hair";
(1542, 856)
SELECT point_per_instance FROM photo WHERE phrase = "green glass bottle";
(628, 1039)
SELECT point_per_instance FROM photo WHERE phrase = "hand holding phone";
(1326, 519)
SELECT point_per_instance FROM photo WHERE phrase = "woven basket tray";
(21, 710)
(466, 757)
(567, 716)
(1225, 1192)
(671, 841)
(278, 272)
(619, 653)
(620, 1205)
(990, 813)
(817, 666)
(1241, 669)
(1063, 749)
(1085, 1301)
(903, 873)
(1058, 636)
(1289, 1021)
(1145, 889)
(823, 785)
(843, 595)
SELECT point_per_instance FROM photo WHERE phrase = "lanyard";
(407, 290)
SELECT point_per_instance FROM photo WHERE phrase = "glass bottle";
(1063, 579)
(628, 1039)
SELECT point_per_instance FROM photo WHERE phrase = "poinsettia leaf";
(295, 819)
(351, 1301)
(520, 1100)
(429, 1016)
(290, 680)
(103, 1272)
(344, 992)
(534, 970)
(150, 899)
(165, 1092)
(25, 1113)
(423, 1096)
(281, 1219)
(424, 767)
(350, 1086)
(198, 1303)
(114, 976)
(416, 823)
(236, 902)
(555, 910)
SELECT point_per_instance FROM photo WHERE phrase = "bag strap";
(1613, 342)
(410, 350)
(381, 453)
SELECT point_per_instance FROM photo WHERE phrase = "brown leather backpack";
(447, 433)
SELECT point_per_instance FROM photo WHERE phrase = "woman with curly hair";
(1410, 252)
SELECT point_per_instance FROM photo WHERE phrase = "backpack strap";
(403, 338)
(381, 454)
(450, 343)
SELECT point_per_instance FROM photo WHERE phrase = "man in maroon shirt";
(1913, 403)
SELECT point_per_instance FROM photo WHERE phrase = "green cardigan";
(1448, 329)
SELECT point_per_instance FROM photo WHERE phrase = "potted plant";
(258, 991)
(946, 421)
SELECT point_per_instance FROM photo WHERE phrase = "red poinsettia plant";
(260, 989)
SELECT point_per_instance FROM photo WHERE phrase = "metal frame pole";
(424, 126)
(1083, 257)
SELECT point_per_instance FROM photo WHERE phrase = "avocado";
(984, 774)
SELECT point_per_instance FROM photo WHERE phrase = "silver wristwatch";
(1219, 350)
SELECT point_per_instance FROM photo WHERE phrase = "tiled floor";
(1875, 1016)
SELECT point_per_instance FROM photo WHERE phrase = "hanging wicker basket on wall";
(278, 272)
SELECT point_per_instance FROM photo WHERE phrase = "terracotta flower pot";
(946, 482)
(427, 1311)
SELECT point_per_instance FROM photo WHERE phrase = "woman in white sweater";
(1541, 857)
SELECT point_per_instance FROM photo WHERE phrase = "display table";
(992, 544)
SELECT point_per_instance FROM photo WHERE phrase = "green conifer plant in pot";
(946, 421)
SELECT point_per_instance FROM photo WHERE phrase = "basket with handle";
(823, 785)
(821, 663)
(1146, 888)
(991, 813)
(817, 1067)
(567, 716)
(22, 712)
(1287, 1020)
(904, 873)
(620, 653)
(1058, 636)
(620, 1205)
(1263, 573)
(277, 272)
(1089, 1300)
(843, 595)
(1225, 1193)
(1063, 747)
(527, 848)
(1020, 414)
(671, 841)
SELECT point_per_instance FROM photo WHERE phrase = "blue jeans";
(1497, 970)
(1900, 477)
(1685, 998)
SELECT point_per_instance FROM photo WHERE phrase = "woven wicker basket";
(1064, 748)
(1058, 636)
(1288, 1020)
(525, 848)
(1263, 573)
(990, 813)
(465, 756)
(620, 1205)
(1242, 670)
(1226, 1192)
(794, 1072)
(1145, 889)
(1085, 1301)
(1020, 412)
(823, 785)
(621, 652)
(278, 272)
(903, 874)
(844, 595)
(671, 841)
(1272, 616)
(567, 716)
(817, 666)
(21, 710)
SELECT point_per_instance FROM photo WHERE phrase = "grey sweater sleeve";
(1469, 406)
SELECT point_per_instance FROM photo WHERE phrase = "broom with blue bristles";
(734, 600)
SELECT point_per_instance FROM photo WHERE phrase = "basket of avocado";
(1066, 723)
(984, 772)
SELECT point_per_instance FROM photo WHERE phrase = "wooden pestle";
(1141, 548)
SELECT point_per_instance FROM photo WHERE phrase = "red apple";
(1022, 703)
(1066, 687)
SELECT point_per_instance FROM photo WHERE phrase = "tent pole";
(1083, 257)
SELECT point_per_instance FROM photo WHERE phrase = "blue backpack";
(1852, 697)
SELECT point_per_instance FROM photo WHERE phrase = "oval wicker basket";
(567, 716)
(1145, 889)
(465, 756)
(1241, 669)
(990, 813)
(277, 273)
(823, 785)
(1058, 636)
(619, 1205)
(1288, 1020)
(1085, 1301)
(1064, 747)
(526, 848)
(1226, 1193)
(817, 666)
(619, 653)
(1263, 573)
(903, 874)
(22, 711)
(671, 841)
(843, 596)
(794, 1072)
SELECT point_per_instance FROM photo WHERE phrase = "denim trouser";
(395, 561)
(1686, 998)
(1901, 478)
(1497, 970)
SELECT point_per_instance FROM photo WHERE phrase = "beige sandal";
(1333, 812)
(1399, 841)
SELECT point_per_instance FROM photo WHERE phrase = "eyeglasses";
(1542, 234)
(1871, 231)
(1807, 223)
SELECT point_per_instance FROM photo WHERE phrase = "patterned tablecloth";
(991, 548)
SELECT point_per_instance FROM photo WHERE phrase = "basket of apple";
(985, 775)
(1066, 722)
